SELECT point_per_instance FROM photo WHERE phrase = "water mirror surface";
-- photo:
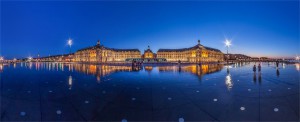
(208, 92)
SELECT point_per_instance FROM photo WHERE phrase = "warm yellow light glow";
(193, 54)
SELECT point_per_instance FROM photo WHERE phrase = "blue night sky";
(269, 28)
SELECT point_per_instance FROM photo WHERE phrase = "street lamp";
(29, 58)
(227, 44)
(70, 42)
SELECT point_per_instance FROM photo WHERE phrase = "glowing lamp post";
(227, 44)
(29, 58)
(70, 42)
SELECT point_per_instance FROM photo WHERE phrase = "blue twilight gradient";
(269, 28)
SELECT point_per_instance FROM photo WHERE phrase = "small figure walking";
(254, 68)
(259, 68)
(277, 63)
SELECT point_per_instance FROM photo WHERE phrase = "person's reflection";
(179, 68)
(254, 77)
(277, 73)
(259, 78)
(227, 70)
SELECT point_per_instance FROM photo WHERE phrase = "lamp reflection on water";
(228, 80)
(1, 67)
(70, 82)
(297, 66)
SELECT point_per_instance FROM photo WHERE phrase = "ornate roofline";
(185, 49)
(101, 46)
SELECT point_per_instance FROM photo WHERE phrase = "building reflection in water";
(148, 68)
(198, 70)
(101, 70)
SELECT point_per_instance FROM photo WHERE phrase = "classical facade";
(102, 54)
(148, 53)
(195, 54)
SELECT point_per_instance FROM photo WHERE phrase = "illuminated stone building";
(57, 58)
(148, 53)
(195, 54)
(101, 54)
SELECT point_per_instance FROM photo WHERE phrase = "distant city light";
(297, 57)
(70, 42)
(15, 59)
(29, 58)
(1, 58)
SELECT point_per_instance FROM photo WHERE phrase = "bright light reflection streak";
(228, 82)
(70, 82)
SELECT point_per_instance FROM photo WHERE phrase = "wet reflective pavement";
(82, 92)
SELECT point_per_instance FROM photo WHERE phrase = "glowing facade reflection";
(198, 70)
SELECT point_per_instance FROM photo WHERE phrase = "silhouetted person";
(277, 73)
(277, 63)
(254, 68)
(259, 68)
